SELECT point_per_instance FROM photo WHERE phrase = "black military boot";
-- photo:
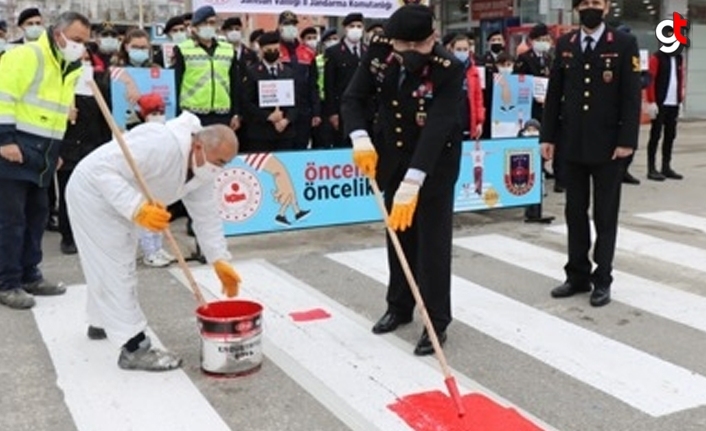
(668, 172)
(654, 174)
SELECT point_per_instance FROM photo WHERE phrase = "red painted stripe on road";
(435, 411)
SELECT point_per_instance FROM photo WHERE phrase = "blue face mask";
(138, 56)
(461, 55)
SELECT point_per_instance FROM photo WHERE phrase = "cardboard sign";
(276, 93)
(540, 86)
(82, 88)
(168, 54)
(644, 59)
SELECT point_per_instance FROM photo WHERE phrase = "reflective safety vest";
(320, 62)
(205, 87)
(35, 96)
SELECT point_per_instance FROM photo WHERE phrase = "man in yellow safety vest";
(36, 94)
(206, 73)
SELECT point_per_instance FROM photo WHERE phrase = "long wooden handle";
(145, 191)
(412, 282)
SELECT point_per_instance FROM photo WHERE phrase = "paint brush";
(414, 287)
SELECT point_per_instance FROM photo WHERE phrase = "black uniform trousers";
(427, 246)
(667, 119)
(606, 179)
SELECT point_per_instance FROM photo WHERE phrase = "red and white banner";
(369, 8)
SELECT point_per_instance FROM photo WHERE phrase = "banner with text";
(369, 8)
(270, 192)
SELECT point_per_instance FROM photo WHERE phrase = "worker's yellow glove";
(152, 216)
(364, 156)
(230, 279)
(403, 206)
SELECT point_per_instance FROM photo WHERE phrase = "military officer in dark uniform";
(592, 109)
(232, 28)
(415, 158)
(340, 63)
(269, 129)
(496, 46)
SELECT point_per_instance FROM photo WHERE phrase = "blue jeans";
(24, 209)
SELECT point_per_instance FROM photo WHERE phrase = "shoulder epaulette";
(441, 60)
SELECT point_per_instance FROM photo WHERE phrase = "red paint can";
(231, 337)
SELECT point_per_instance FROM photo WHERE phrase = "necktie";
(589, 45)
(355, 50)
(273, 72)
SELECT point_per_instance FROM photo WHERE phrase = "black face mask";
(496, 48)
(270, 56)
(591, 18)
(414, 61)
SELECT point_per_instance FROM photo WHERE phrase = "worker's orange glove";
(403, 206)
(230, 279)
(152, 216)
(364, 156)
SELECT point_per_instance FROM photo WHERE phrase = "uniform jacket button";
(586, 93)
(587, 80)
(395, 103)
(585, 107)
(398, 115)
(399, 144)
(587, 66)
(398, 130)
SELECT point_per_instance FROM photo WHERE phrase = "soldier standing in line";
(592, 109)
(341, 62)
(415, 158)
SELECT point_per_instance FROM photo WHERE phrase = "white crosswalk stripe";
(637, 378)
(357, 376)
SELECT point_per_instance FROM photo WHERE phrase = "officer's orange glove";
(229, 278)
(152, 216)
(403, 206)
(364, 156)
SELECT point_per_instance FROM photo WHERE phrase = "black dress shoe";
(567, 289)
(628, 178)
(389, 322)
(68, 247)
(425, 347)
(95, 333)
(558, 189)
(669, 173)
(655, 176)
(600, 296)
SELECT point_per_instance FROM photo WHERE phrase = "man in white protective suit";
(179, 160)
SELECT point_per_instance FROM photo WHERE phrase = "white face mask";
(329, 43)
(461, 55)
(73, 50)
(541, 46)
(159, 118)
(33, 32)
(234, 36)
(354, 34)
(109, 44)
(206, 172)
(206, 32)
(506, 70)
(312, 43)
(289, 32)
(178, 36)
(3, 45)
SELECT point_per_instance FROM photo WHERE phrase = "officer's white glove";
(652, 110)
(364, 155)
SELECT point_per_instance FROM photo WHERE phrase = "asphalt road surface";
(523, 361)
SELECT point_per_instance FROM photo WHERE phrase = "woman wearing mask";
(135, 51)
(472, 109)
(86, 131)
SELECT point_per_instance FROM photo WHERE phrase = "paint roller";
(145, 191)
(449, 379)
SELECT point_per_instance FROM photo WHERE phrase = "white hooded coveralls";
(102, 198)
